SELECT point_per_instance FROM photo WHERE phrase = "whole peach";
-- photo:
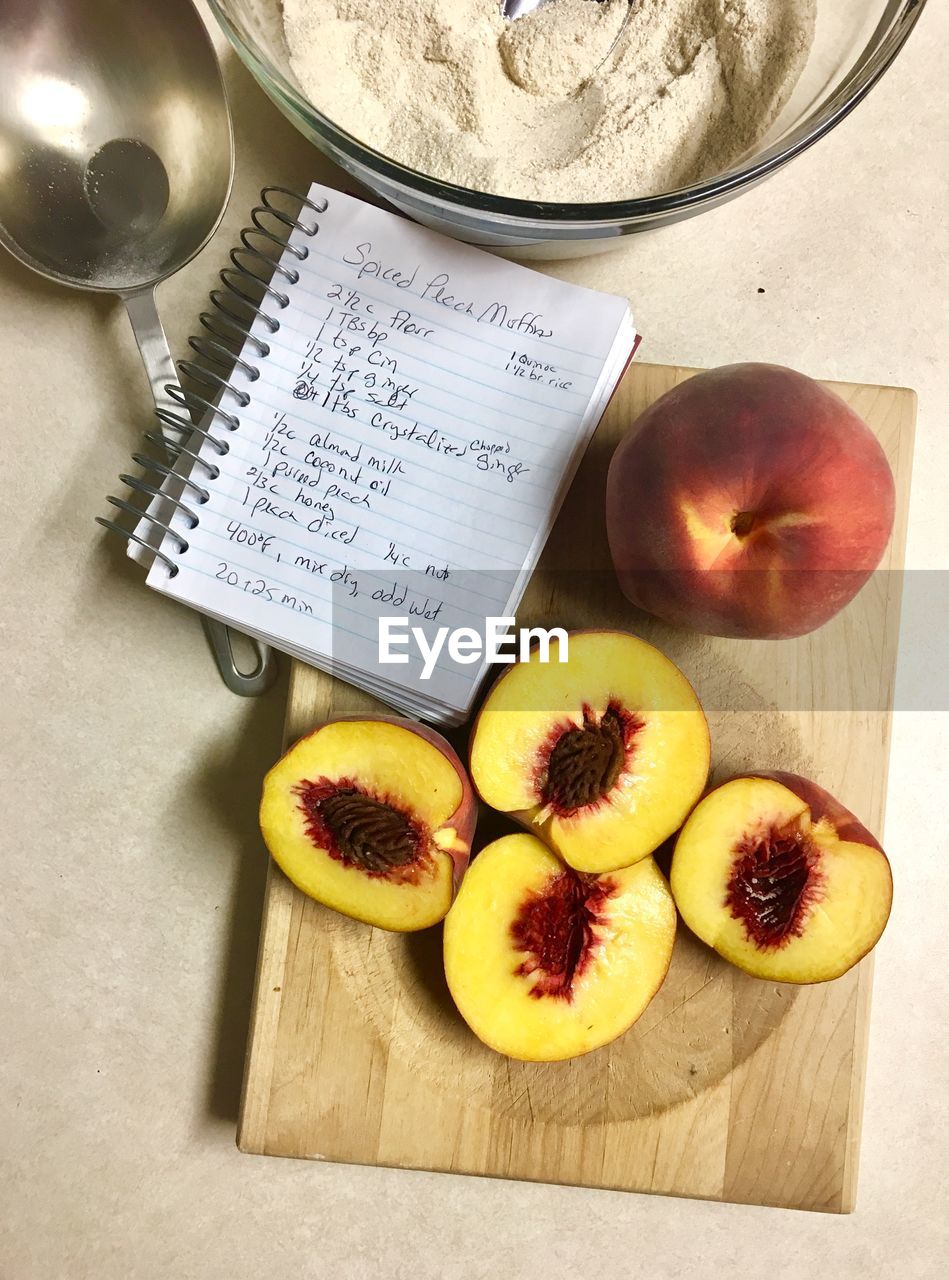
(748, 501)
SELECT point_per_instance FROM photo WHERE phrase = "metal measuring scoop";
(116, 160)
(520, 8)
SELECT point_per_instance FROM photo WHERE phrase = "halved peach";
(373, 818)
(603, 755)
(545, 962)
(781, 879)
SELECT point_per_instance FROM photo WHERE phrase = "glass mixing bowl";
(856, 42)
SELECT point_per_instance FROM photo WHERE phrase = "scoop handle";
(152, 345)
(156, 357)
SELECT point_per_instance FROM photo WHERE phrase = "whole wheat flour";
(452, 89)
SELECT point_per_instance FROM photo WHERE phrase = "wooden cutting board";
(727, 1088)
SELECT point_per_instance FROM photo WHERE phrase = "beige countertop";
(134, 873)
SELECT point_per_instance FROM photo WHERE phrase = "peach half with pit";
(602, 756)
(779, 878)
(545, 962)
(374, 818)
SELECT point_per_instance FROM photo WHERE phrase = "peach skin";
(748, 501)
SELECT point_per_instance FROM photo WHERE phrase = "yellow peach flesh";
(850, 902)
(635, 931)
(666, 768)
(398, 766)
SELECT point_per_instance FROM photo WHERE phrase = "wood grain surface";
(727, 1088)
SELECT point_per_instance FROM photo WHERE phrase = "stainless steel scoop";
(116, 160)
(520, 8)
(517, 8)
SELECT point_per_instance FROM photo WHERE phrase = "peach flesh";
(545, 963)
(373, 818)
(774, 885)
(578, 767)
(781, 879)
(557, 931)
(362, 830)
(603, 757)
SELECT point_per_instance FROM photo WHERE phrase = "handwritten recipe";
(406, 423)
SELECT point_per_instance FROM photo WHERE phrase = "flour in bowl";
(452, 89)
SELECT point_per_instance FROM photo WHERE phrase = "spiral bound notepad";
(384, 461)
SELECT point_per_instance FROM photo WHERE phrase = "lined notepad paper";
(404, 441)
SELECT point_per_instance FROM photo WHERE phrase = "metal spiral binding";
(236, 306)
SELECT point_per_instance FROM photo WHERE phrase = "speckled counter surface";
(133, 872)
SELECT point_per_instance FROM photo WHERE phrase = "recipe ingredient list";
(407, 417)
